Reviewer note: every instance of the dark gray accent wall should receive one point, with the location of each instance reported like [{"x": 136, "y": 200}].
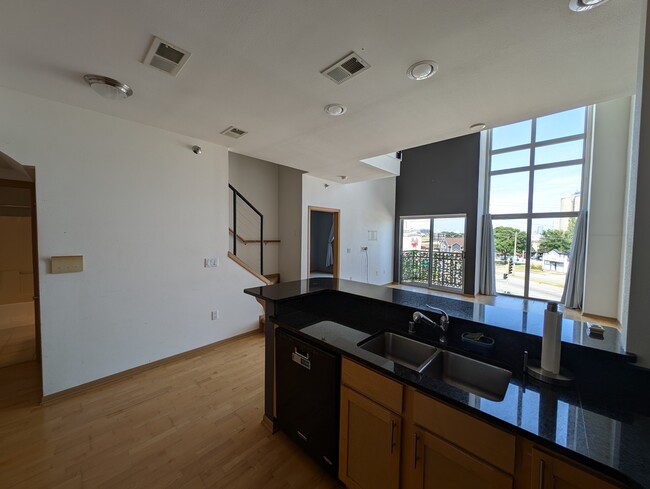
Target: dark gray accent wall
[{"x": 441, "y": 178}]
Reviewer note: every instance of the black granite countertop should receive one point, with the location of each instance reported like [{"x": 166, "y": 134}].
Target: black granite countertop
[
  {"x": 603, "y": 421},
  {"x": 530, "y": 320},
  {"x": 614, "y": 441}
]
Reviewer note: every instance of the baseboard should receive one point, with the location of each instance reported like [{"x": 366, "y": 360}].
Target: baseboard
[
  {"x": 94, "y": 384},
  {"x": 268, "y": 424}
]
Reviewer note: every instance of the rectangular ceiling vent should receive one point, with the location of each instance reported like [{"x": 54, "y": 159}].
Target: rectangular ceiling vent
[
  {"x": 166, "y": 57},
  {"x": 346, "y": 68},
  {"x": 234, "y": 132}
]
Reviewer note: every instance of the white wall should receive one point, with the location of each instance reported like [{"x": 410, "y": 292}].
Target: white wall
[
  {"x": 290, "y": 226},
  {"x": 637, "y": 260},
  {"x": 144, "y": 211},
  {"x": 257, "y": 181},
  {"x": 365, "y": 206},
  {"x": 607, "y": 193}
]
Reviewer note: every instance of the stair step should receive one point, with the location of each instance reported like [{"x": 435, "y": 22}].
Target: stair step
[{"x": 273, "y": 277}]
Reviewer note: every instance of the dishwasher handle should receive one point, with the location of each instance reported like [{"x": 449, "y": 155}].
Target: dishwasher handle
[{"x": 301, "y": 359}]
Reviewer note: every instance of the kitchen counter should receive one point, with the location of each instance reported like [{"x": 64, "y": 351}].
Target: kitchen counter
[
  {"x": 529, "y": 321},
  {"x": 603, "y": 421},
  {"x": 556, "y": 418}
]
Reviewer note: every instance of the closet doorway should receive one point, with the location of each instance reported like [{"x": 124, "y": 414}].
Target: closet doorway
[
  {"x": 323, "y": 242},
  {"x": 19, "y": 302}
]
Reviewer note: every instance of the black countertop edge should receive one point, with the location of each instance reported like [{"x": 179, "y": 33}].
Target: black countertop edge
[
  {"x": 448, "y": 397},
  {"x": 303, "y": 288}
]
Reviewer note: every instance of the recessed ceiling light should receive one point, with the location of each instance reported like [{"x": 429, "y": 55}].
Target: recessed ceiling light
[
  {"x": 108, "y": 87},
  {"x": 478, "y": 126},
  {"x": 422, "y": 70},
  {"x": 582, "y": 5},
  {"x": 335, "y": 109}
]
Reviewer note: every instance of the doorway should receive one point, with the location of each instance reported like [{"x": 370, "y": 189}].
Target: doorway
[
  {"x": 19, "y": 298},
  {"x": 323, "y": 243}
]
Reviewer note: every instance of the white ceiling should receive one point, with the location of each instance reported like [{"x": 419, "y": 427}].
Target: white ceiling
[{"x": 256, "y": 65}]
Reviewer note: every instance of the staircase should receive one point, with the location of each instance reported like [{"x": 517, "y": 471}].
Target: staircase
[{"x": 247, "y": 241}]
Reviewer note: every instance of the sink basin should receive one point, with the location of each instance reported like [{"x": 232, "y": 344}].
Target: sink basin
[
  {"x": 465, "y": 373},
  {"x": 400, "y": 349},
  {"x": 470, "y": 375}
]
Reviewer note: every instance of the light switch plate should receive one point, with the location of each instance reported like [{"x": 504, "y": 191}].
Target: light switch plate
[
  {"x": 67, "y": 264},
  {"x": 211, "y": 262}
]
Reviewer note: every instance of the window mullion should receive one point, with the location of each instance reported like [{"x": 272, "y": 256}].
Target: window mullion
[{"x": 531, "y": 186}]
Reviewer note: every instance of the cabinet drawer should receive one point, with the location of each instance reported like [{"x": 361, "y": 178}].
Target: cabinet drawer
[
  {"x": 375, "y": 386},
  {"x": 477, "y": 437}
]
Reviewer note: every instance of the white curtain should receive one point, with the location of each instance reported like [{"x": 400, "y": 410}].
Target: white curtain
[
  {"x": 574, "y": 284},
  {"x": 487, "y": 272},
  {"x": 329, "y": 258}
]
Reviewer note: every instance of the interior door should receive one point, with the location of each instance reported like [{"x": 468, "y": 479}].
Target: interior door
[{"x": 323, "y": 242}]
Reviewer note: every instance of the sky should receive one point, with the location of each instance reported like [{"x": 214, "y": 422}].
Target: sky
[
  {"x": 440, "y": 224},
  {"x": 509, "y": 192}
]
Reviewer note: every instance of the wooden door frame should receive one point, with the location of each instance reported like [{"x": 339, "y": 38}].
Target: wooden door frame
[
  {"x": 336, "y": 215},
  {"x": 31, "y": 186}
]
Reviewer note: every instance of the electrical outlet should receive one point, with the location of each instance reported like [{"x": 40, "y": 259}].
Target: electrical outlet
[
  {"x": 349, "y": 250},
  {"x": 211, "y": 262},
  {"x": 216, "y": 315}
]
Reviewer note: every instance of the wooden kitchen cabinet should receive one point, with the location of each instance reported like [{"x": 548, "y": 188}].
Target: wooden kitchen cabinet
[
  {"x": 369, "y": 449},
  {"x": 370, "y": 428},
  {"x": 441, "y": 447},
  {"x": 552, "y": 472},
  {"x": 447, "y": 449},
  {"x": 437, "y": 464}
]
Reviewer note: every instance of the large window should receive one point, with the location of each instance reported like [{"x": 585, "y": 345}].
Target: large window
[{"x": 535, "y": 191}]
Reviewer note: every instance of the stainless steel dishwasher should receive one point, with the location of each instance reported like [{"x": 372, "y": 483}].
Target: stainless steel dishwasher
[{"x": 307, "y": 397}]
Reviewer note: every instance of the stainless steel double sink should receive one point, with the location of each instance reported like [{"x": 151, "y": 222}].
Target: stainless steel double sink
[{"x": 462, "y": 372}]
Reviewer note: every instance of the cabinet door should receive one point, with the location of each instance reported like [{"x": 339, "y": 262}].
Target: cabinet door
[
  {"x": 550, "y": 472},
  {"x": 369, "y": 443},
  {"x": 440, "y": 465}
]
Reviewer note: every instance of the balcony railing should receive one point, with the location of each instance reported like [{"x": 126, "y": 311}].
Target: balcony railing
[{"x": 446, "y": 268}]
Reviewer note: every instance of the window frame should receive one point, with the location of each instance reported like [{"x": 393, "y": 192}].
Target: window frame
[
  {"x": 531, "y": 168},
  {"x": 429, "y": 285}
]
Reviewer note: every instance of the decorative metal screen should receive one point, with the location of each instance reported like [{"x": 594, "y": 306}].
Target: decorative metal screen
[{"x": 446, "y": 268}]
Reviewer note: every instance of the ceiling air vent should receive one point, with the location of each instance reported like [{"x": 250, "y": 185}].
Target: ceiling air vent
[
  {"x": 234, "y": 132},
  {"x": 166, "y": 57},
  {"x": 346, "y": 68}
]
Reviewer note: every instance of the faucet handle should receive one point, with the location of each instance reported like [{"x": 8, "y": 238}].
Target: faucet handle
[{"x": 444, "y": 317}]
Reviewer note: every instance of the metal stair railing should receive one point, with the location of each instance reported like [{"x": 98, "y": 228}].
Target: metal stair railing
[{"x": 236, "y": 197}]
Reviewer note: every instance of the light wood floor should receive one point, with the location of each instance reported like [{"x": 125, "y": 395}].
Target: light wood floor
[
  {"x": 17, "y": 334},
  {"x": 191, "y": 424}
]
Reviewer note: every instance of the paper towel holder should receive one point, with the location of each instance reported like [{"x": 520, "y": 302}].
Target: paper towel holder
[{"x": 535, "y": 370}]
